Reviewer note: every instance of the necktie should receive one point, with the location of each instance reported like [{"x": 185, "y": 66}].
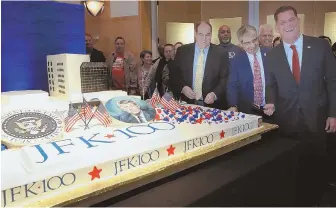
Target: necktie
[
  {"x": 141, "y": 119},
  {"x": 199, "y": 75},
  {"x": 257, "y": 82},
  {"x": 295, "y": 64}
]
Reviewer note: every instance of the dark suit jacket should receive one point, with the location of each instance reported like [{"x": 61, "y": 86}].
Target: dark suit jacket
[
  {"x": 215, "y": 74},
  {"x": 314, "y": 98},
  {"x": 97, "y": 56},
  {"x": 240, "y": 89}
]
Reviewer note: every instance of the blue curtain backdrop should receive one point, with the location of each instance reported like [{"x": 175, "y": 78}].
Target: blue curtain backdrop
[{"x": 32, "y": 30}]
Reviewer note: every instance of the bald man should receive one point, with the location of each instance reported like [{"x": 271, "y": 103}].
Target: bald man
[
  {"x": 201, "y": 70},
  {"x": 266, "y": 35},
  {"x": 224, "y": 37}
]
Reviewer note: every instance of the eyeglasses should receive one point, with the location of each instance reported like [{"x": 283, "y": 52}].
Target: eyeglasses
[{"x": 254, "y": 41}]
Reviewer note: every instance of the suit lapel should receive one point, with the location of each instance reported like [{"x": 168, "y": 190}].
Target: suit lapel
[
  {"x": 263, "y": 56},
  {"x": 307, "y": 54},
  {"x": 247, "y": 68},
  {"x": 190, "y": 63},
  {"x": 209, "y": 61}
]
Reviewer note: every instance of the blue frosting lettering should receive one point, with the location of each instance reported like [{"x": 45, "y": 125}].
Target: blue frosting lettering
[
  {"x": 59, "y": 149},
  {"x": 87, "y": 142}
]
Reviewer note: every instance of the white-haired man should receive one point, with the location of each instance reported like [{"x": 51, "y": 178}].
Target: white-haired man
[{"x": 266, "y": 35}]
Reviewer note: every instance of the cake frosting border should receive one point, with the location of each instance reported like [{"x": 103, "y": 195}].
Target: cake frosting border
[
  {"x": 145, "y": 174},
  {"x": 162, "y": 150}
]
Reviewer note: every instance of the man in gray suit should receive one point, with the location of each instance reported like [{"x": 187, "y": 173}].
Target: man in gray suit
[
  {"x": 132, "y": 113},
  {"x": 301, "y": 91}
]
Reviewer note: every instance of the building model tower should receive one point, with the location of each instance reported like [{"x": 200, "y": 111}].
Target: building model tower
[{"x": 64, "y": 75}]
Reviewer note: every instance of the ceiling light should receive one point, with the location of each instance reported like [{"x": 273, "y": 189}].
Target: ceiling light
[{"x": 94, "y": 8}]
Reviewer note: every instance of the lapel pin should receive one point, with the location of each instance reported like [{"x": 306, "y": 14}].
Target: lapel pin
[{"x": 308, "y": 46}]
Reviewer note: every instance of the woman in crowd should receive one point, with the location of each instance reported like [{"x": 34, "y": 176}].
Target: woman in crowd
[{"x": 146, "y": 58}]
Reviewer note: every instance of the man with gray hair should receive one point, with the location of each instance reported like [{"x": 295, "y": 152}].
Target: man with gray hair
[
  {"x": 266, "y": 35},
  {"x": 246, "y": 84}
]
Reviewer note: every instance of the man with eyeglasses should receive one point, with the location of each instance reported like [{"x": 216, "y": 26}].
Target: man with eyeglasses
[
  {"x": 246, "y": 84},
  {"x": 266, "y": 35},
  {"x": 201, "y": 70}
]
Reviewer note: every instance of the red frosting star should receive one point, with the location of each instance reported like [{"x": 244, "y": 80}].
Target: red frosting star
[
  {"x": 109, "y": 136},
  {"x": 222, "y": 134},
  {"x": 171, "y": 150},
  {"x": 95, "y": 173}
]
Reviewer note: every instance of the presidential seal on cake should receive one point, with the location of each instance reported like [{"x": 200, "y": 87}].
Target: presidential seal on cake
[
  {"x": 130, "y": 110},
  {"x": 29, "y": 127}
]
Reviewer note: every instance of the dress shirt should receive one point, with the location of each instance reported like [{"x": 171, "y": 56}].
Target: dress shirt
[{"x": 289, "y": 52}]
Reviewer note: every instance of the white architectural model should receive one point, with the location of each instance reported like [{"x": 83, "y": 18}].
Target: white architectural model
[{"x": 64, "y": 75}]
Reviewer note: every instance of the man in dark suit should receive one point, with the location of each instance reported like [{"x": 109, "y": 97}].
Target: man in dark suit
[
  {"x": 133, "y": 113},
  {"x": 95, "y": 55},
  {"x": 200, "y": 70},
  {"x": 246, "y": 84},
  {"x": 301, "y": 91}
]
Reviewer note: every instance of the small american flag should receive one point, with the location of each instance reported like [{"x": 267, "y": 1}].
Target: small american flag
[
  {"x": 86, "y": 110},
  {"x": 71, "y": 119},
  {"x": 168, "y": 102},
  {"x": 155, "y": 98},
  {"x": 102, "y": 115}
]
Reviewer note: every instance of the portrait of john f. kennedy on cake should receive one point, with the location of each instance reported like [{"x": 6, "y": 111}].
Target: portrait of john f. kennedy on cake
[{"x": 130, "y": 110}]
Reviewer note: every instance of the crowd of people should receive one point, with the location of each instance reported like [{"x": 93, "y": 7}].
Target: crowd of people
[{"x": 289, "y": 80}]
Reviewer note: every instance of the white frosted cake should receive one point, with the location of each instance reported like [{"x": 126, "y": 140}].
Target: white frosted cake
[{"x": 84, "y": 156}]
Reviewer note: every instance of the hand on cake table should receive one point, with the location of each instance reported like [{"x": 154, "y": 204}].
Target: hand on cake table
[
  {"x": 188, "y": 92},
  {"x": 234, "y": 109},
  {"x": 269, "y": 109},
  {"x": 210, "y": 98},
  {"x": 331, "y": 125}
]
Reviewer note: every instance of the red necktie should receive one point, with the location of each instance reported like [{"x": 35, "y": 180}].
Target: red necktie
[
  {"x": 295, "y": 64},
  {"x": 257, "y": 82}
]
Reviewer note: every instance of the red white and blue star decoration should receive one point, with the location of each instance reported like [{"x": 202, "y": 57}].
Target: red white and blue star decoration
[
  {"x": 109, "y": 136},
  {"x": 222, "y": 134},
  {"x": 171, "y": 150},
  {"x": 197, "y": 115},
  {"x": 95, "y": 173}
]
